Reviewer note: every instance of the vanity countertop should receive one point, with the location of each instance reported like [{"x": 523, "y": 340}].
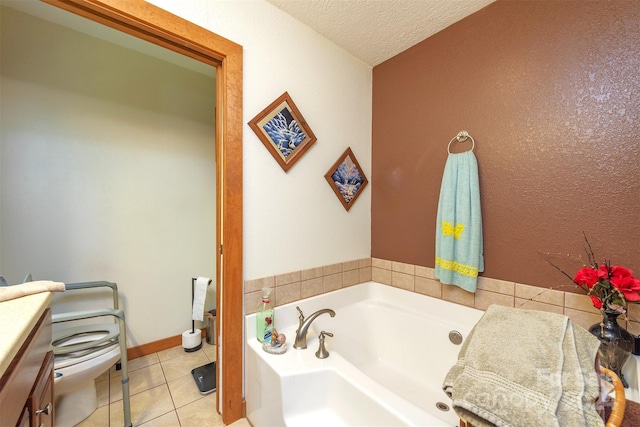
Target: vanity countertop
[{"x": 18, "y": 317}]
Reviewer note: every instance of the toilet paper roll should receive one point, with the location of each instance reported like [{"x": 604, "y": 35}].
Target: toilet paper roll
[
  {"x": 199, "y": 295},
  {"x": 191, "y": 339}
]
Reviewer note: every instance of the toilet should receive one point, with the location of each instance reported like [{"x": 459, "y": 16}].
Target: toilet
[{"x": 81, "y": 354}]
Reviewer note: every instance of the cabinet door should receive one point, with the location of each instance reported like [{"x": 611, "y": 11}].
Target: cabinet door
[
  {"x": 24, "y": 420},
  {"x": 41, "y": 401},
  {"x": 23, "y": 372}
]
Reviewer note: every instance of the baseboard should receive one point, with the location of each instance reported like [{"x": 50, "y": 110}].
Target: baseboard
[{"x": 156, "y": 346}]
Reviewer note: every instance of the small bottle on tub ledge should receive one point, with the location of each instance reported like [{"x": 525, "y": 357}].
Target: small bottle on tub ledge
[{"x": 265, "y": 317}]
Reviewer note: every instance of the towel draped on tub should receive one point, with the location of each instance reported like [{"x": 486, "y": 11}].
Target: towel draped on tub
[
  {"x": 459, "y": 255},
  {"x": 526, "y": 368}
]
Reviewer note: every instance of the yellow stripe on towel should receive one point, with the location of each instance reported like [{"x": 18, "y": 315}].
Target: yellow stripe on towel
[{"x": 466, "y": 270}]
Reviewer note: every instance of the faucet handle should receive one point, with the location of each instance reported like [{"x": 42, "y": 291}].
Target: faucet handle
[
  {"x": 301, "y": 317},
  {"x": 322, "y": 352}
]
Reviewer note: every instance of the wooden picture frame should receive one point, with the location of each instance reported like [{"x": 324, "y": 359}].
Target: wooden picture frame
[
  {"x": 283, "y": 131},
  {"x": 346, "y": 179}
]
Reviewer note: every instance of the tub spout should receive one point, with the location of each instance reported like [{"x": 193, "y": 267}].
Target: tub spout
[{"x": 303, "y": 326}]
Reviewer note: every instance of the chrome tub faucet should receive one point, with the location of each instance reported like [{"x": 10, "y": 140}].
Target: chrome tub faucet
[{"x": 303, "y": 326}]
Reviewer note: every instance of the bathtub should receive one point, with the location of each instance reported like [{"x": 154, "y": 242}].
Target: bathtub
[{"x": 388, "y": 358}]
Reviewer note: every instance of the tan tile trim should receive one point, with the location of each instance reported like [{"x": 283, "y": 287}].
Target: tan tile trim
[
  {"x": 292, "y": 286},
  {"x": 296, "y": 285}
]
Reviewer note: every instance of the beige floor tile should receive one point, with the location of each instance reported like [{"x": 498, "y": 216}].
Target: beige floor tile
[
  {"x": 99, "y": 418},
  {"x": 242, "y": 422},
  {"x": 167, "y": 420},
  {"x": 210, "y": 350},
  {"x": 170, "y": 353},
  {"x": 200, "y": 413},
  {"x": 138, "y": 363},
  {"x": 102, "y": 392},
  {"x": 155, "y": 406},
  {"x": 180, "y": 366},
  {"x": 139, "y": 381},
  {"x": 145, "y": 406},
  {"x": 184, "y": 390}
]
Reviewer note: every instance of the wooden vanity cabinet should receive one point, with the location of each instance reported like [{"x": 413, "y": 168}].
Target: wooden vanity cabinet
[
  {"x": 40, "y": 403},
  {"x": 38, "y": 412},
  {"x": 26, "y": 393}
]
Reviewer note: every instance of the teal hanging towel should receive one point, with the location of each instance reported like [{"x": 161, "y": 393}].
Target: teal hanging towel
[{"x": 459, "y": 256}]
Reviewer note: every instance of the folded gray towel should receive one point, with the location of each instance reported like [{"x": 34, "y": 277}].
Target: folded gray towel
[
  {"x": 525, "y": 368},
  {"x": 29, "y": 288}
]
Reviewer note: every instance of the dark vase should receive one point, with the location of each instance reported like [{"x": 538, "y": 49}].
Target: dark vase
[{"x": 616, "y": 343}]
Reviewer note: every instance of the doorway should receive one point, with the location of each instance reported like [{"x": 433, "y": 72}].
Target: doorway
[{"x": 150, "y": 23}]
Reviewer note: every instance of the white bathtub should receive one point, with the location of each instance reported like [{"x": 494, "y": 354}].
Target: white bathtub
[{"x": 388, "y": 358}]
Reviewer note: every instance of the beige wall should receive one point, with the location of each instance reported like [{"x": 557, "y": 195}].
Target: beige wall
[
  {"x": 549, "y": 91},
  {"x": 293, "y": 220},
  {"x": 108, "y": 172}
]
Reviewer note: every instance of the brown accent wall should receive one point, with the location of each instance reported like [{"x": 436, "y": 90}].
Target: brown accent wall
[{"x": 550, "y": 90}]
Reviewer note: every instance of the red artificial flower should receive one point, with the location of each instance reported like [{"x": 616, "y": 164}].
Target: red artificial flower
[
  {"x": 617, "y": 271},
  {"x": 589, "y": 277},
  {"x": 596, "y": 301},
  {"x": 610, "y": 287},
  {"x": 629, "y": 286}
]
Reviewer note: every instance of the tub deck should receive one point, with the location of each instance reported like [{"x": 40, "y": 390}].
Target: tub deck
[{"x": 388, "y": 357}]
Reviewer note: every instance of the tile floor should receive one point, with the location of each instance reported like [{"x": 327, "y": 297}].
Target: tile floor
[{"x": 162, "y": 392}]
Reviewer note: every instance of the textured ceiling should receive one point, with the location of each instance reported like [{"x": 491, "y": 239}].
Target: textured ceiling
[{"x": 376, "y": 30}]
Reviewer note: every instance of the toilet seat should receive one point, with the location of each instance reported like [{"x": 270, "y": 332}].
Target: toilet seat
[
  {"x": 77, "y": 345},
  {"x": 88, "y": 352},
  {"x": 74, "y": 389}
]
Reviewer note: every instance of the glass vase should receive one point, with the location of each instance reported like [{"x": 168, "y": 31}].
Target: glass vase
[{"x": 616, "y": 343}]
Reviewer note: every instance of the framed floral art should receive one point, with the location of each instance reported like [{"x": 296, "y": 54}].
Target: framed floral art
[
  {"x": 283, "y": 131},
  {"x": 346, "y": 179}
]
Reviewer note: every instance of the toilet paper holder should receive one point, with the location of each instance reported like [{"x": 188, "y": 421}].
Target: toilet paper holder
[
  {"x": 190, "y": 347},
  {"x": 193, "y": 296}
]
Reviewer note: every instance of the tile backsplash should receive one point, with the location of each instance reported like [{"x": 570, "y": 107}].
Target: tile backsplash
[{"x": 297, "y": 285}]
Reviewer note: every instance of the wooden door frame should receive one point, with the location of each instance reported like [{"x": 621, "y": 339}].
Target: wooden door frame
[{"x": 148, "y": 22}]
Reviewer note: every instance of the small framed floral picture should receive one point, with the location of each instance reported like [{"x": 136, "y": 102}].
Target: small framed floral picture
[
  {"x": 283, "y": 131},
  {"x": 346, "y": 179}
]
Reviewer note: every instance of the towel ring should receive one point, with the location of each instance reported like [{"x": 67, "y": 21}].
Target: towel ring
[{"x": 462, "y": 136}]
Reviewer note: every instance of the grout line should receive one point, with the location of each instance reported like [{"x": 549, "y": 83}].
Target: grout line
[{"x": 173, "y": 401}]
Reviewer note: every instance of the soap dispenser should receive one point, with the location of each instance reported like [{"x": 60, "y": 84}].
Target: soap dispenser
[{"x": 265, "y": 317}]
